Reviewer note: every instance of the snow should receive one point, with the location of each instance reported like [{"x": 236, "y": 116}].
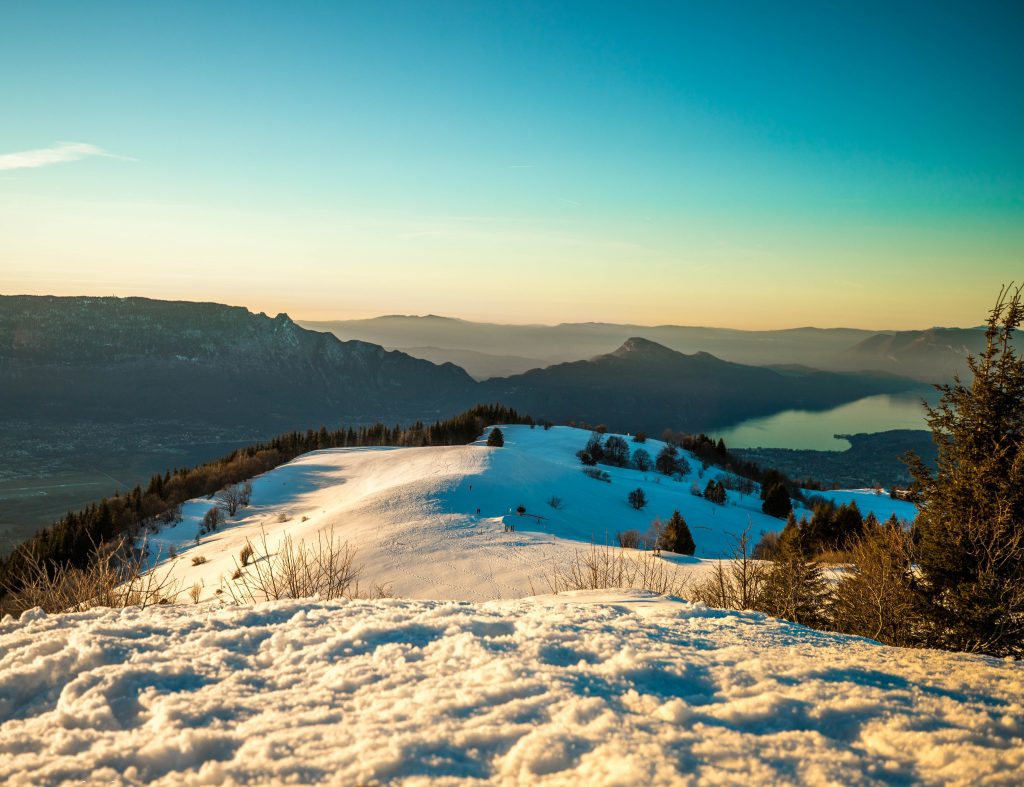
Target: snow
[
  {"x": 466, "y": 675},
  {"x": 868, "y": 501},
  {"x": 603, "y": 688},
  {"x": 412, "y": 514}
]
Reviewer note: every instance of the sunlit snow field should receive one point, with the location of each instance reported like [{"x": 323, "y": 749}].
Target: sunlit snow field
[
  {"x": 412, "y": 513},
  {"x": 472, "y": 672}
]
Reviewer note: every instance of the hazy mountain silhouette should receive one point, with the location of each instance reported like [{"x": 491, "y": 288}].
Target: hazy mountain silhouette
[{"x": 645, "y": 385}]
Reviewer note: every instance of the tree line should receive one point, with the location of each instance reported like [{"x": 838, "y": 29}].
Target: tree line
[{"x": 76, "y": 538}]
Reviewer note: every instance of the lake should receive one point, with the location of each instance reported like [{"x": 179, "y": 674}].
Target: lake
[{"x": 814, "y": 430}]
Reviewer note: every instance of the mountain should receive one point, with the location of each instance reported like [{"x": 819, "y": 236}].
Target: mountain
[
  {"x": 543, "y": 345},
  {"x": 121, "y": 358},
  {"x": 97, "y": 394},
  {"x": 645, "y": 385},
  {"x": 932, "y": 355},
  {"x": 481, "y": 366}
]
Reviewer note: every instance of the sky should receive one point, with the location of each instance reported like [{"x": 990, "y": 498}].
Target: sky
[{"x": 750, "y": 165}]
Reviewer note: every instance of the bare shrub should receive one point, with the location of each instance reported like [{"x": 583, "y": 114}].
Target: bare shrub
[
  {"x": 114, "y": 577},
  {"x": 195, "y": 592},
  {"x": 735, "y": 584},
  {"x": 600, "y": 568},
  {"x": 282, "y": 517},
  {"x": 767, "y": 546},
  {"x": 556, "y": 503},
  {"x": 323, "y": 568},
  {"x": 246, "y": 554},
  {"x": 597, "y": 475},
  {"x": 198, "y": 560},
  {"x": 235, "y": 496},
  {"x": 875, "y": 596},
  {"x": 629, "y": 539},
  {"x": 211, "y": 519}
]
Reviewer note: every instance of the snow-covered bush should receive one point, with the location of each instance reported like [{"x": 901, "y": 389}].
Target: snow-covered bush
[{"x": 597, "y": 475}]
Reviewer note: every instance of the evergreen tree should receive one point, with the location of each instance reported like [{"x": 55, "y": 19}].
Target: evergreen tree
[
  {"x": 848, "y": 525},
  {"x": 794, "y": 588},
  {"x": 770, "y": 478},
  {"x": 715, "y": 492},
  {"x": 496, "y": 439},
  {"x": 820, "y": 533},
  {"x": 777, "y": 502},
  {"x": 676, "y": 536},
  {"x": 970, "y": 529}
]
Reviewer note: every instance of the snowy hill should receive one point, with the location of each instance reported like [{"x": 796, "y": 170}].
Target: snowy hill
[
  {"x": 467, "y": 676},
  {"x": 431, "y": 522},
  {"x": 599, "y": 689}
]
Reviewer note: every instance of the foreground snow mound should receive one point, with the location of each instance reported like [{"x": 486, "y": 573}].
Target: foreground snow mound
[
  {"x": 612, "y": 688},
  {"x": 441, "y": 522}
]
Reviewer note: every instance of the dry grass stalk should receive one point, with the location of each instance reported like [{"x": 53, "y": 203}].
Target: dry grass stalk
[
  {"x": 323, "y": 568},
  {"x": 600, "y": 568},
  {"x": 114, "y": 577}
]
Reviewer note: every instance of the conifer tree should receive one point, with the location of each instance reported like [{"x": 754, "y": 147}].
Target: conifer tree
[
  {"x": 676, "y": 536},
  {"x": 794, "y": 588},
  {"x": 970, "y": 526},
  {"x": 496, "y": 439},
  {"x": 777, "y": 502}
]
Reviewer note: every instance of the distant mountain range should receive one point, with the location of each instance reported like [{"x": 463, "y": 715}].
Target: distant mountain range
[
  {"x": 117, "y": 359},
  {"x": 644, "y": 385},
  {"x": 98, "y": 393},
  {"x": 933, "y": 354},
  {"x": 493, "y": 350}
]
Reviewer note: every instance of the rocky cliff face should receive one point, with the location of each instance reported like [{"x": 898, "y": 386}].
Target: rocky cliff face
[{"x": 120, "y": 358}]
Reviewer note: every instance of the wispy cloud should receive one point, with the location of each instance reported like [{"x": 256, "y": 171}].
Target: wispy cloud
[{"x": 56, "y": 154}]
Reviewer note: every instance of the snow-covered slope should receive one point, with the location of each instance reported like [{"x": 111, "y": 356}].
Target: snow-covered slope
[
  {"x": 612, "y": 688},
  {"x": 431, "y": 521}
]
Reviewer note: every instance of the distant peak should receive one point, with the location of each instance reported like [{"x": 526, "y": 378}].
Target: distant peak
[
  {"x": 431, "y": 317},
  {"x": 640, "y": 346}
]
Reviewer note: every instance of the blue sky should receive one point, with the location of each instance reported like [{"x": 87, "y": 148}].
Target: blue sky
[{"x": 744, "y": 164}]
